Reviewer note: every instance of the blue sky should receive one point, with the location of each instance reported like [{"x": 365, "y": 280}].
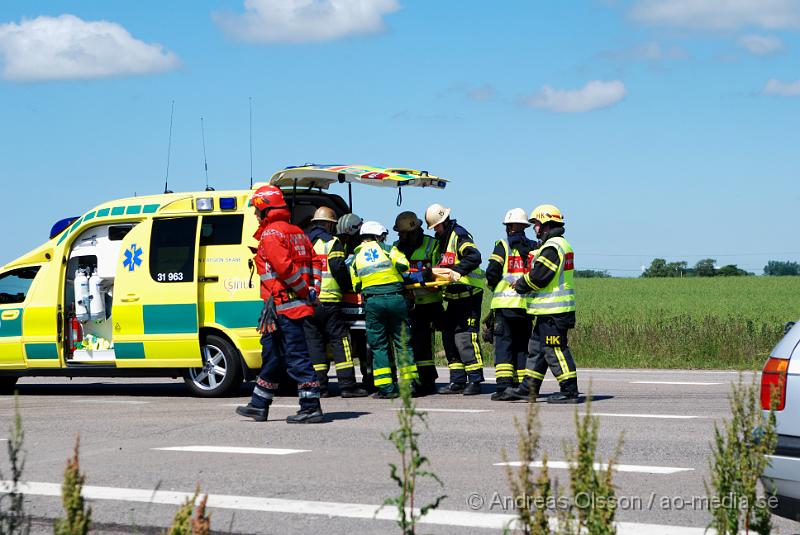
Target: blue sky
[{"x": 660, "y": 127}]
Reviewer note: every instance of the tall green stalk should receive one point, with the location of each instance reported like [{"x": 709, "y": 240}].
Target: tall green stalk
[{"x": 412, "y": 466}]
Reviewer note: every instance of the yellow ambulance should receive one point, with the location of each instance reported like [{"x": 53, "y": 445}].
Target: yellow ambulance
[{"x": 161, "y": 285}]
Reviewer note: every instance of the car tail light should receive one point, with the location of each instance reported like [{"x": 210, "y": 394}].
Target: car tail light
[{"x": 773, "y": 377}]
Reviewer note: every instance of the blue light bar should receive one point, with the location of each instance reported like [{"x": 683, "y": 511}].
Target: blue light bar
[{"x": 227, "y": 203}]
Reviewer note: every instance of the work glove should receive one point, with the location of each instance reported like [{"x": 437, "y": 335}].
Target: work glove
[{"x": 454, "y": 276}]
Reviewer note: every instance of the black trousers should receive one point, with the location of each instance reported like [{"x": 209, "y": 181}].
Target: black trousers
[
  {"x": 423, "y": 319},
  {"x": 512, "y": 333},
  {"x": 461, "y": 324},
  {"x": 327, "y": 326},
  {"x": 549, "y": 347}
]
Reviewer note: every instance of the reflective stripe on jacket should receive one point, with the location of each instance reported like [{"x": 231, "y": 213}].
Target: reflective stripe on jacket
[
  {"x": 559, "y": 295},
  {"x": 287, "y": 265},
  {"x": 330, "y": 291},
  {"x": 375, "y": 263},
  {"x": 450, "y": 258},
  {"x": 514, "y": 268}
]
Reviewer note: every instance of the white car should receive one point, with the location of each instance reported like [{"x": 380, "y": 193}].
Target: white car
[{"x": 782, "y": 370}]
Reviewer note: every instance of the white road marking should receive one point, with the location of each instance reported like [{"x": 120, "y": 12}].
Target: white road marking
[
  {"x": 273, "y": 405},
  {"x": 111, "y": 401},
  {"x": 601, "y": 466},
  {"x": 664, "y": 416},
  {"x": 693, "y": 383},
  {"x": 331, "y": 509},
  {"x": 232, "y": 449},
  {"x": 447, "y": 410}
]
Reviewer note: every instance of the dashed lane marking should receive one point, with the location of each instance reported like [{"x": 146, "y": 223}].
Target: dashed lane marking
[
  {"x": 110, "y": 401},
  {"x": 232, "y": 449},
  {"x": 662, "y": 416},
  {"x": 494, "y": 521},
  {"x": 421, "y": 409},
  {"x": 600, "y": 466},
  {"x": 692, "y": 383}
]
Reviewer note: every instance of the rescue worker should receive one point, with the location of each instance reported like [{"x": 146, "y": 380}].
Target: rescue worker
[
  {"x": 512, "y": 324},
  {"x": 290, "y": 280},
  {"x": 552, "y": 304},
  {"x": 347, "y": 230},
  {"x": 327, "y": 325},
  {"x": 464, "y": 296},
  {"x": 377, "y": 273},
  {"x": 422, "y": 251}
]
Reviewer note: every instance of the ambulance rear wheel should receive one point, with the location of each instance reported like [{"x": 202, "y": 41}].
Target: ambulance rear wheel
[
  {"x": 7, "y": 385},
  {"x": 221, "y": 373}
]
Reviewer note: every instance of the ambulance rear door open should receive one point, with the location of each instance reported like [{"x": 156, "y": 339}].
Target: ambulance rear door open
[{"x": 155, "y": 312}]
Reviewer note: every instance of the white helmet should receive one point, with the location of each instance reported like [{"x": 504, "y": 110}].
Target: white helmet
[
  {"x": 516, "y": 215},
  {"x": 435, "y": 214},
  {"x": 373, "y": 228}
]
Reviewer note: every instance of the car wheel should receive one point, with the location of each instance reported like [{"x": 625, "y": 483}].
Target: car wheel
[{"x": 221, "y": 373}]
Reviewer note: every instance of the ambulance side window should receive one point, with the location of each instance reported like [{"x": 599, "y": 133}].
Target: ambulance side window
[
  {"x": 221, "y": 230},
  {"x": 172, "y": 249},
  {"x": 15, "y": 284}
]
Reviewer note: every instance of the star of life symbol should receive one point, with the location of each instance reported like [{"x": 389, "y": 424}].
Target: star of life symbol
[
  {"x": 372, "y": 255},
  {"x": 133, "y": 257}
]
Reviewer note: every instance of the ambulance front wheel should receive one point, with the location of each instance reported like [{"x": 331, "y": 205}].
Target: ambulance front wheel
[
  {"x": 221, "y": 373},
  {"x": 7, "y": 385}
]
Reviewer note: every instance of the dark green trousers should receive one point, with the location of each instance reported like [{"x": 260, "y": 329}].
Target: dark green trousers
[{"x": 386, "y": 318}]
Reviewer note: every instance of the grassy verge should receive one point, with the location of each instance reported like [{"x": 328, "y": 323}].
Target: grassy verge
[{"x": 710, "y": 323}]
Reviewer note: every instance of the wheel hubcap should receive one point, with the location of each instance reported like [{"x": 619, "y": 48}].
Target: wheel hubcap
[{"x": 214, "y": 370}]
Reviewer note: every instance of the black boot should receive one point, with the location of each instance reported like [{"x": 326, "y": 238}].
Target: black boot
[
  {"x": 563, "y": 397},
  {"x": 380, "y": 394},
  {"x": 568, "y": 394},
  {"x": 354, "y": 392},
  {"x": 452, "y": 388},
  {"x": 522, "y": 392},
  {"x": 257, "y": 414},
  {"x": 306, "y": 416},
  {"x": 500, "y": 394},
  {"x": 472, "y": 389}
]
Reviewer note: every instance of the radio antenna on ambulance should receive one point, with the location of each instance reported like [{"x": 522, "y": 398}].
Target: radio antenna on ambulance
[
  {"x": 205, "y": 160},
  {"x": 169, "y": 147}
]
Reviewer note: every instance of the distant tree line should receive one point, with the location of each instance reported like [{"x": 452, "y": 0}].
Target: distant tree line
[
  {"x": 592, "y": 274},
  {"x": 659, "y": 267}
]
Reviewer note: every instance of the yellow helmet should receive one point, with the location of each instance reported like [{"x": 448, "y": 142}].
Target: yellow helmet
[
  {"x": 435, "y": 214},
  {"x": 546, "y": 212},
  {"x": 407, "y": 222}
]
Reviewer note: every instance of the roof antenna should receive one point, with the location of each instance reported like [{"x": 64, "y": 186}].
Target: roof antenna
[
  {"x": 205, "y": 160},
  {"x": 251, "y": 141},
  {"x": 169, "y": 148}
]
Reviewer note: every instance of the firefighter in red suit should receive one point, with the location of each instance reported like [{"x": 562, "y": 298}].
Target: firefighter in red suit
[{"x": 290, "y": 280}]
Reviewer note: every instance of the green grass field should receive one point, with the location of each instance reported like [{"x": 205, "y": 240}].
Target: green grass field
[{"x": 715, "y": 323}]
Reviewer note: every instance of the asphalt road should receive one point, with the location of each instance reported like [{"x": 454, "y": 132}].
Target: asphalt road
[{"x": 146, "y": 443}]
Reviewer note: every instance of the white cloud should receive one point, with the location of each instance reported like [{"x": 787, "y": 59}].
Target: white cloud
[
  {"x": 651, "y": 51},
  {"x": 777, "y": 88},
  {"x": 594, "y": 95},
  {"x": 718, "y": 14},
  {"x": 296, "y": 21},
  {"x": 484, "y": 92},
  {"x": 760, "y": 45},
  {"x": 66, "y": 47}
]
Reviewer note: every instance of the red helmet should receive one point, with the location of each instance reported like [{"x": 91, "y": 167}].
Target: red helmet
[{"x": 268, "y": 197}]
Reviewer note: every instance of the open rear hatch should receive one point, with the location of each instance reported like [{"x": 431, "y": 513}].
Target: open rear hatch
[{"x": 322, "y": 176}]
